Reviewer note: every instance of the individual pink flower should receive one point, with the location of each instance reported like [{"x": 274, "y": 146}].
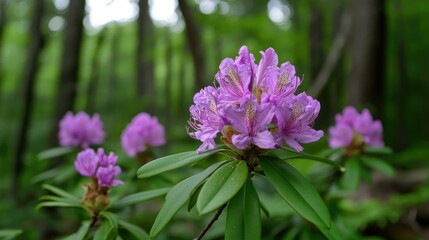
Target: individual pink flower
[
  {"x": 295, "y": 117},
  {"x": 206, "y": 118},
  {"x": 144, "y": 131},
  {"x": 251, "y": 120},
  {"x": 106, "y": 176},
  {"x": 354, "y": 128},
  {"x": 80, "y": 130},
  {"x": 86, "y": 163}
]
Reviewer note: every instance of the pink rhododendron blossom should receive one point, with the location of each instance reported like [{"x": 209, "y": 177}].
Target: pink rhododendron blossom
[
  {"x": 143, "y": 131},
  {"x": 80, "y": 130},
  {"x": 98, "y": 166},
  {"x": 258, "y": 102},
  {"x": 354, "y": 128},
  {"x": 86, "y": 163}
]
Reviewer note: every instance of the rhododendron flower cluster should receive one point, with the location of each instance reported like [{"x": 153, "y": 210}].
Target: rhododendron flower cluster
[
  {"x": 98, "y": 166},
  {"x": 80, "y": 130},
  {"x": 144, "y": 131},
  {"x": 354, "y": 130},
  {"x": 254, "y": 105}
]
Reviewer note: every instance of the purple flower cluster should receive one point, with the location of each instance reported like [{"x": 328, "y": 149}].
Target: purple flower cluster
[
  {"x": 98, "y": 165},
  {"x": 143, "y": 131},
  {"x": 354, "y": 128},
  {"x": 80, "y": 130},
  {"x": 258, "y": 101}
]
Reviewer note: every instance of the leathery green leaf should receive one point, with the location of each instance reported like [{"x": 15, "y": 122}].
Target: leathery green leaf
[
  {"x": 351, "y": 178},
  {"x": 171, "y": 162},
  {"x": 243, "y": 220},
  {"x": 139, "y": 197},
  {"x": 136, "y": 231},
  {"x": 296, "y": 190},
  {"x": 221, "y": 186},
  {"x": 379, "y": 165},
  {"x": 177, "y": 197}
]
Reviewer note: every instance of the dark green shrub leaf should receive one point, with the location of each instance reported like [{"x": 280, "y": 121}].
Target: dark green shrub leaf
[
  {"x": 136, "y": 231},
  {"x": 301, "y": 155},
  {"x": 351, "y": 178},
  {"x": 61, "y": 192},
  {"x": 177, "y": 197},
  {"x": 138, "y": 198},
  {"x": 171, "y": 162},
  {"x": 54, "y": 152},
  {"x": 81, "y": 233},
  {"x": 379, "y": 165},
  {"x": 296, "y": 190},
  {"x": 221, "y": 186},
  {"x": 243, "y": 219}
]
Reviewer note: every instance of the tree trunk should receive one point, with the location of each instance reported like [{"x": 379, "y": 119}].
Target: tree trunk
[
  {"x": 95, "y": 70},
  {"x": 167, "y": 86},
  {"x": 67, "y": 87},
  {"x": 145, "y": 75},
  {"x": 195, "y": 44},
  {"x": 28, "y": 81},
  {"x": 112, "y": 64},
  {"x": 2, "y": 24},
  {"x": 367, "y": 52},
  {"x": 2, "y": 18},
  {"x": 401, "y": 70},
  {"x": 316, "y": 41}
]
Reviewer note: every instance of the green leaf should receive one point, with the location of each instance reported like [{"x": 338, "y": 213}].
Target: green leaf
[
  {"x": 243, "y": 220},
  {"x": 332, "y": 233},
  {"x": 111, "y": 218},
  {"x": 171, "y": 162},
  {"x": 6, "y": 234},
  {"x": 138, "y": 197},
  {"x": 177, "y": 197},
  {"x": 296, "y": 190},
  {"x": 60, "y": 192},
  {"x": 379, "y": 151},
  {"x": 302, "y": 155},
  {"x": 57, "y": 204},
  {"x": 221, "y": 186},
  {"x": 81, "y": 233},
  {"x": 106, "y": 232},
  {"x": 58, "y": 199},
  {"x": 54, "y": 152},
  {"x": 351, "y": 177},
  {"x": 379, "y": 165},
  {"x": 194, "y": 196},
  {"x": 136, "y": 231}
]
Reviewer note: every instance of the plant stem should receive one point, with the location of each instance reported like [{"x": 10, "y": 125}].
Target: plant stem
[{"x": 208, "y": 226}]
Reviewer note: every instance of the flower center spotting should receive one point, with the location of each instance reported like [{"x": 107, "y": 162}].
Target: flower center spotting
[
  {"x": 232, "y": 78},
  {"x": 249, "y": 114},
  {"x": 282, "y": 81},
  {"x": 296, "y": 111},
  {"x": 212, "y": 104}
]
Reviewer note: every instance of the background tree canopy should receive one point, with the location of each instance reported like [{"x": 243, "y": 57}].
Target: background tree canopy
[{"x": 122, "y": 57}]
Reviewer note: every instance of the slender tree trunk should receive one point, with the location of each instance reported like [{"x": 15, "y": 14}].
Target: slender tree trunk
[
  {"x": 145, "y": 75},
  {"x": 67, "y": 86},
  {"x": 195, "y": 44},
  {"x": 29, "y": 78},
  {"x": 2, "y": 18},
  {"x": 2, "y": 24},
  {"x": 167, "y": 86},
  {"x": 113, "y": 62},
  {"x": 367, "y": 52},
  {"x": 401, "y": 68},
  {"x": 95, "y": 70},
  {"x": 316, "y": 40}
]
